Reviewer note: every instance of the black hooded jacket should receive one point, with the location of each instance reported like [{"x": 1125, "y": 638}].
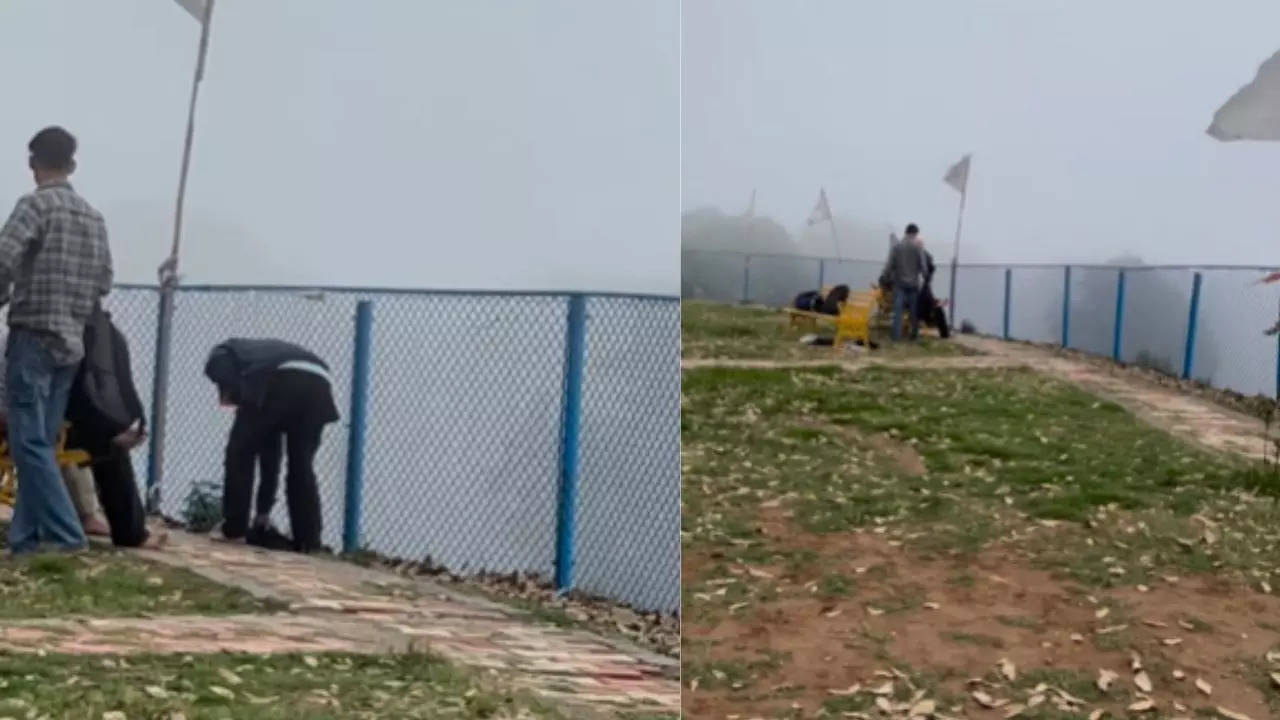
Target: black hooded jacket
[{"x": 242, "y": 367}]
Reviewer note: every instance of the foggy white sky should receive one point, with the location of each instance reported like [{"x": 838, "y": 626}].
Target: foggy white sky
[
  {"x": 1086, "y": 119},
  {"x": 432, "y": 143}
]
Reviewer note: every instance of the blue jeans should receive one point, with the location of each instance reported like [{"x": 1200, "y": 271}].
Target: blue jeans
[
  {"x": 903, "y": 294},
  {"x": 38, "y": 390}
]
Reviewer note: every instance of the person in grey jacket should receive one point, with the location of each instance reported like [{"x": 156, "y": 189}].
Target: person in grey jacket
[{"x": 906, "y": 270}]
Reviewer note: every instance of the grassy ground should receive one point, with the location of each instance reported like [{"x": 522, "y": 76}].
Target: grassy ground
[
  {"x": 248, "y": 687},
  {"x": 712, "y": 330},
  {"x": 971, "y": 456},
  {"x": 873, "y": 540},
  {"x": 110, "y": 584}
]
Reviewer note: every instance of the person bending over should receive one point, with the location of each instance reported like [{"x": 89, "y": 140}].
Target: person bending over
[{"x": 278, "y": 389}]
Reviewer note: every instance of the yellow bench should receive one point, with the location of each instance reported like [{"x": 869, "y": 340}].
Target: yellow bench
[
  {"x": 884, "y": 302},
  {"x": 9, "y": 475},
  {"x": 854, "y": 320}
]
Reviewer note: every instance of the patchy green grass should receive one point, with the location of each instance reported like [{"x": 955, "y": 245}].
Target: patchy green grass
[
  {"x": 1006, "y": 454},
  {"x": 712, "y": 330},
  {"x": 252, "y": 687},
  {"x": 112, "y": 584}
]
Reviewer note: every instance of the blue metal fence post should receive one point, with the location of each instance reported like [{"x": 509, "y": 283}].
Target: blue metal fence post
[
  {"x": 1008, "y": 296},
  {"x": 574, "y": 352},
  {"x": 822, "y": 268},
  {"x": 1189, "y": 354},
  {"x": 746, "y": 279},
  {"x": 355, "y": 438},
  {"x": 1117, "y": 329},
  {"x": 1066, "y": 307}
]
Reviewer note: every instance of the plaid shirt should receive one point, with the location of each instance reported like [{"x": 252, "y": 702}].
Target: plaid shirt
[{"x": 54, "y": 253}]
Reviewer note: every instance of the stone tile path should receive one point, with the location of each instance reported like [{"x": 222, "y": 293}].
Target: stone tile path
[
  {"x": 336, "y": 606},
  {"x": 1194, "y": 419}
]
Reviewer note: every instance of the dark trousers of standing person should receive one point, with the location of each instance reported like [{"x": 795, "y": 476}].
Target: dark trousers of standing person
[
  {"x": 115, "y": 483},
  {"x": 905, "y": 295},
  {"x": 118, "y": 495},
  {"x": 297, "y": 404},
  {"x": 269, "y": 459}
]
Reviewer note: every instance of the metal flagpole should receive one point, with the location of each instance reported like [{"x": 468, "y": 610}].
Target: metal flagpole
[
  {"x": 168, "y": 274},
  {"x": 955, "y": 251},
  {"x": 831, "y": 219}
]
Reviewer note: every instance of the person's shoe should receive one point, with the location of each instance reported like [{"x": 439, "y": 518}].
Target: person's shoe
[
  {"x": 95, "y": 526},
  {"x": 156, "y": 539},
  {"x": 217, "y": 535}
]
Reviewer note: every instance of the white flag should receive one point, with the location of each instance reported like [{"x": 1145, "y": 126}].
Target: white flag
[
  {"x": 197, "y": 8},
  {"x": 751, "y": 206},
  {"x": 1253, "y": 113},
  {"x": 958, "y": 176},
  {"x": 821, "y": 211}
]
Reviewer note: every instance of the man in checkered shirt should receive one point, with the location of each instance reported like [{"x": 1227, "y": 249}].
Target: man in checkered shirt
[{"x": 54, "y": 266}]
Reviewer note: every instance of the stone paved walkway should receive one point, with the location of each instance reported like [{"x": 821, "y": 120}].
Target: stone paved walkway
[
  {"x": 1194, "y": 419},
  {"x": 336, "y": 606}
]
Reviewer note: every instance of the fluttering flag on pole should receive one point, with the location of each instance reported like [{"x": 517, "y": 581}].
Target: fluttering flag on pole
[
  {"x": 1270, "y": 278},
  {"x": 1253, "y": 113},
  {"x": 751, "y": 206},
  {"x": 202, "y": 11},
  {"x": 958, "y": 175},
  {"x": 821, "y": 211},
  {"x": 197, "y": 8}
]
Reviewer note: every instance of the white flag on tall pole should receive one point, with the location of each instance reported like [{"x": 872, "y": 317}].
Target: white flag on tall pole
[
  {"x": 197, "y": 8},
  {"x": 821, "y": 211},
  {"x": 751, "y": 206},
  {"x": 1253, "y": 113},
  {"x": 958, "y": 175}
]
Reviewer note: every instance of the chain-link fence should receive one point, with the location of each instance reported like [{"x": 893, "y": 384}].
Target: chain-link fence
[
  {"x": 467, "y": 460},
  {"x": 1203, "y": 323}
]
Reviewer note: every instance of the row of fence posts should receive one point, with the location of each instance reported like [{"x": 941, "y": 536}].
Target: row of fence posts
[
  {"x": 1117, "y": 335},
  {"x": 1188, "y": 357},
  {"x": 570, "y": 420}
]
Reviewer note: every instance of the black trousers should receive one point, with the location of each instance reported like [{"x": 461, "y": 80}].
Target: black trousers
[
  {"x": 118, "y": 494},
  {"x": 297, "y": 405},
  {"x": 270, "y": 456}
]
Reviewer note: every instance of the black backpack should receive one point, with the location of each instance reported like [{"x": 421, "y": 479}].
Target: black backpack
[{"x": 103, "y": 399}]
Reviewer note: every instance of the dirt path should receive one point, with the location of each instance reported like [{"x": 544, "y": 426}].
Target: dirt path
[
  {"x": 336, "y": 606},
  {"x": 1194, "y": 419}
]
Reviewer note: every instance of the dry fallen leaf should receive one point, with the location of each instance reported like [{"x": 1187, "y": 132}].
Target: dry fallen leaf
[
  {"x": 1172, "y": 641},
  {"x": 1105, "y": 678},
  {"x": 984, "y": 699},
  {"x": 1077, "y": 637},
  {"x": 885, "y": 689},
  {"x": 114, "y": 715},
  {"x": 156, "y": 692},
  {"x": 931, "y": 606},
  {"x": 1143, "y": 681},
  {"x": 1097, "y": 714},
  {"x": 851, "y": 690},
  {"x": 229, "y": 676},
  {"x": 1008, "y": 669},
  {"x": 1204, "y": 686},
  {"x": 1179, "y": 675},
  {"x": 222, "y": 692},
  {"x": 1135, "y": 661},
  {"x": 1014, "y": 710},
  {"x": 885, "y": 706},
  {"x": 1275, "y": 679},
  {"x": 874, "y": 612},
  {"x": 1231, "y": 714},
  {"x": 1143, "y": 705},
  {"x": 1102, "y": 612},
  {"x": 924, "y": 708}
]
